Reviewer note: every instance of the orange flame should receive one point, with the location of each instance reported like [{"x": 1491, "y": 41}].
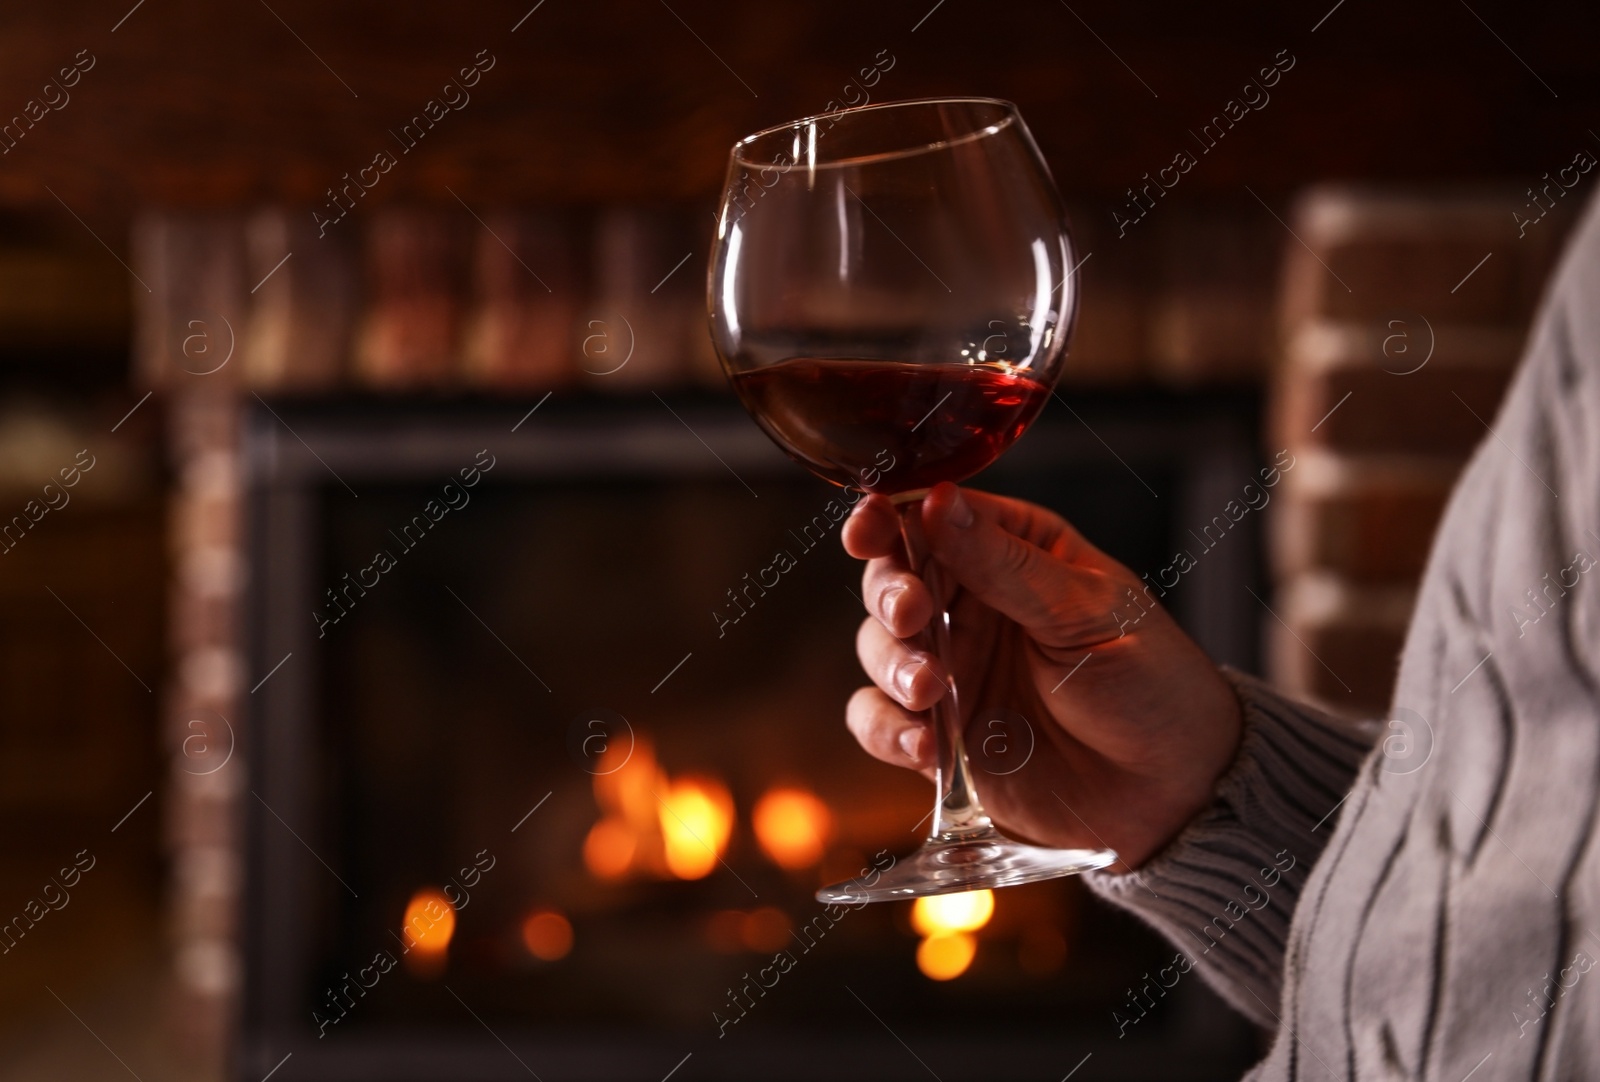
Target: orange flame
[
  {"x": 764, "y": 929},
  {"x": 429, "y": 924},
  {"x": 948, "y": 921},
  {"x": 696, "y": 819},
  {"x": 945, "y": 957},
  {"x": 793, "y": 827},
  {"x": 625, "y": 838},
  {"x": 627, "y": 780},
  {"x": 652, "y": 824},
  {"x": 547, "y": 935},
  {"x": 609, "y": 849},
  {"x": 944, "y": 913}
]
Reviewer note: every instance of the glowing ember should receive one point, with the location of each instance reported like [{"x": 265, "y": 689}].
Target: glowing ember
[
  {"x": 945, "y": 957},
  {"x": 764, "y": 929},
  {"x": 793, "y": 827},
  {"x": 626, "y": 782},
  {"x": 696, "y": 819},
  {"x": 609, "y": 849},
  {"x": 547, "y": 935},
  {"x": 651, "y": 825},
  {"x": 944, "y": 913},
  {"x": 430, "y": 921}
]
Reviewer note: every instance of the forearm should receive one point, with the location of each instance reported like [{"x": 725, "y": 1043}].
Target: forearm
[{"x": 1224, "y": 889}]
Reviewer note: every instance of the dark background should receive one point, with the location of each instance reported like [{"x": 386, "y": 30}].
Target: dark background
[{"x": 203, "y": 104}]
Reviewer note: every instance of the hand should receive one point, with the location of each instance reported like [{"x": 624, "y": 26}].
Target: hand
[{"x": 1126, "y": 750}]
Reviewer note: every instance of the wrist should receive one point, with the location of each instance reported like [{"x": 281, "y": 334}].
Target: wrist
[{"x": 1192, "y": 778}]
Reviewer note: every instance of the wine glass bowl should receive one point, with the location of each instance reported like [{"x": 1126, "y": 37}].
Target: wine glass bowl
[
  {"x": 923, "y": 233},
  {"x": 891, "y": 292}
]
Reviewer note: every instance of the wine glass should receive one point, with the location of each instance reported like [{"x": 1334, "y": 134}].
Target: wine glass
[{"x": 891, "y": 292}]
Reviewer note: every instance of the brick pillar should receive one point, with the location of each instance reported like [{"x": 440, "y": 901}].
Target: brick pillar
[
  {"x": 1402, "y": 319},
  {"x": 204, "y": 719},
  {"x": 191, "y": 346}
]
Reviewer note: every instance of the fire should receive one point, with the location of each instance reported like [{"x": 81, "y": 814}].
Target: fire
[
  {"x": 696, "y": 819},
  {"x": 947, "y": 922},
  {"x": 762, "y": 930},
  {"x": 651, "y": 824},
  {"x": 547, "y": 935},
  {"x": 625, "y": 838},
  {"x": 609, "y": 849},
  {"x": 429, "y": 923},
  {"x": 626, "y": 782},
  {"x": 944, "y": 913},
  {"x": 793, "y": 827},
  {"x": 945, "y": 957},
  {"x": 765, "y": 929}
]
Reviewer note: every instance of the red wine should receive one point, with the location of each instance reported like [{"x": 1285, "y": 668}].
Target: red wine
[{"x": 890, "y": 427}]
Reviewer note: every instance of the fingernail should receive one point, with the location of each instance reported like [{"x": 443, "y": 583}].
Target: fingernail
[
  {"x": 891, "y": 600},
  {"x": 904, "y": 677},
  {"x": 960, "y": 515},
  {"x": 911, "y": 744}
]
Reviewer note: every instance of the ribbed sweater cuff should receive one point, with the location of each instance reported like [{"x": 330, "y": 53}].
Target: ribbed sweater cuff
[{"x": 1223, "y": 891}]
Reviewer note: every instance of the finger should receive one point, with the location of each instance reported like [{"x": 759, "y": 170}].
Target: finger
[
  {"x": 899, "y": 599},
  {"x": 905, "y": 675},
  {"x": 873, "y": 529},
  {"x": 1062, "y": 603},
  {"x": 888, "y": 732},
  {"x": 1038, "y": 526}
]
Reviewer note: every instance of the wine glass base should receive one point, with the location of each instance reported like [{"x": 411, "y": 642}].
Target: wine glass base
[{"x": 973, "y": 861}]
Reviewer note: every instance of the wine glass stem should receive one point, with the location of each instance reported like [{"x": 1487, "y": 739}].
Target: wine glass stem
[{"x": 957, "y": 811}]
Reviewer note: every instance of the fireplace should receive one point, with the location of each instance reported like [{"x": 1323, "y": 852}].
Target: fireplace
[{"x": 525, "y": 796}]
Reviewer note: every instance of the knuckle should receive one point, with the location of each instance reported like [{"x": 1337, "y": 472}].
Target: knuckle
[
  {"x": 890, "y": 592},
  {"x": 1016, "y": 557}
]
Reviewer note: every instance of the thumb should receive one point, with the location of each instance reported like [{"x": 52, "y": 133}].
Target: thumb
[{"x": 1061, "y": 590}]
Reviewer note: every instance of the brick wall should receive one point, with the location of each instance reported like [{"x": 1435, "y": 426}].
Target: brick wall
[{"x": 1402, "y": 319}]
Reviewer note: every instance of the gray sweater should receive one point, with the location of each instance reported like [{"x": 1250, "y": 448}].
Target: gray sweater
[{"x": 1419, "y": 898}]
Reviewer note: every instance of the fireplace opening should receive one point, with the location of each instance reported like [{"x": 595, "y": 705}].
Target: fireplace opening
[{"x": 562, "y": 758}]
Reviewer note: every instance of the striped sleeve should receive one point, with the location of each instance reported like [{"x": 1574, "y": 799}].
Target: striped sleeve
[{"x": 1225, "y": 888}]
